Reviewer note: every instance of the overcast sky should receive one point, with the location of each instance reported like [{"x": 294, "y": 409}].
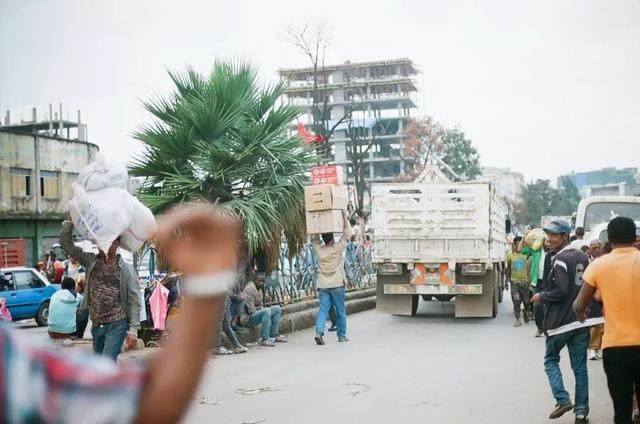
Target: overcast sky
[{"x": 543, "y": 87}]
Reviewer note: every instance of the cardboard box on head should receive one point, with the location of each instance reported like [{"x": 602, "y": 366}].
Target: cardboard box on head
[
  {"x": 329, "y": 221},
  {"x": 325, "y": 197}
]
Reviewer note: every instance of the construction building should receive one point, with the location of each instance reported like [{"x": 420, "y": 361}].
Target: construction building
[
  {"x": 39, "y": 159},
  {"x": 380, "y": 96}
]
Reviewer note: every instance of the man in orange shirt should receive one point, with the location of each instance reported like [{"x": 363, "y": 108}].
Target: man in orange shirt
[{"x": 617, "y": 276}]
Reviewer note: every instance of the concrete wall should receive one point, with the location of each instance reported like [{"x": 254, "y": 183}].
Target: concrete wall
[
  {"x": 38, "y": 235},
  {"x": 34, "y": 218},
  {"x": 59, "y": 155}
]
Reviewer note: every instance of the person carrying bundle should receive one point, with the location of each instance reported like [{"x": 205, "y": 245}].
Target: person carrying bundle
[{"x": 103, "y": 212}]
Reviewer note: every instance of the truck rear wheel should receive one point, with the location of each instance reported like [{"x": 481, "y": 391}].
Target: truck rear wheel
[
  {"x": 415, "y": 300},
  {"x": 501, "y": 286},
  {"x": 497, "y": 290},
  {"x": 427, "y": 297},
  {"x": 494, "y": 312}
]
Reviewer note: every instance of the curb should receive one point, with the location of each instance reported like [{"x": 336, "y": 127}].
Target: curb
[
  {"x": 295, "y": 317},
  {"x": 302, "y": 315},
  {"x": 313, "y": 303}
]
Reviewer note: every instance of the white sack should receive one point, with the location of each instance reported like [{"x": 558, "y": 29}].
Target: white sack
[
  {"x": 100, "y": 174},
  {"x": 142, "y": 226},
  {"x": 102, "y": 215}
]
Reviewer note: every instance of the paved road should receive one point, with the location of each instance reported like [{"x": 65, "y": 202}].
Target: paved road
[{"x": 430, "y": 368}]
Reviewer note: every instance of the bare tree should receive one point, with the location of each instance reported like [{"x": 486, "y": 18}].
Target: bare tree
[
  {"x": 361, "y": 138},
  {"x": 422, "y": 143},
  {"x": 313, "y": 40}
]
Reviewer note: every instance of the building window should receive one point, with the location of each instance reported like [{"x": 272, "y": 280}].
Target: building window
[
  {"x": 50, "y": 184},
  {"x": 20, "y": 182},
  {"x": 72, "y": 176}
]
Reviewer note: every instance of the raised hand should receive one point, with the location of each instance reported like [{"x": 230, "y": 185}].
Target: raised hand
[{"x": 199, "y": 239}]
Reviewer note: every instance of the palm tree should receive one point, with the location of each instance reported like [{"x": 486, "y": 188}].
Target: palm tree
[{"x": 224, "y": 138}]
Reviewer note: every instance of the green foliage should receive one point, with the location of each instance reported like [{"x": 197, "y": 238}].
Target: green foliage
[
  {"x": 223, "y": 138},
  {"x": 539, "y": 198},
  {"x": 460, "y": 155},
  {"x": 566, "y": 198}
]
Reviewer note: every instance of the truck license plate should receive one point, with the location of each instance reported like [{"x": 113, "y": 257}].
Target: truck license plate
[{"x": 432, "y": 277}]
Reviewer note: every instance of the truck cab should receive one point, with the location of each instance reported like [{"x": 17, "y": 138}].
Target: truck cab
[{"x": 601, "y": 209}]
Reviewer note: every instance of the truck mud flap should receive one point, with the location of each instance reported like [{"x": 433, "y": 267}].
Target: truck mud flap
[
  {"x": 405, "y": 305},
  {"x": 477, "y": 306}
]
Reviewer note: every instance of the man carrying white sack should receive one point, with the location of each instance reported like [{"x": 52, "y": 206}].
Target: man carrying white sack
[{"x": 111, "y": 294}]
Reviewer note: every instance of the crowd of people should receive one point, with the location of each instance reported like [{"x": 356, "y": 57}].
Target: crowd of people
[
  {"x": 584, "y": 296},
  {"x": 105, "y": 288},
  {"x": 114, "y": 307}
]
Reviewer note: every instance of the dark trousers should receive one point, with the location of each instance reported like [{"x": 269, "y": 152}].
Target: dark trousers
[
  {"x": 520, "y": 295},
  {"x": 539, "y": 310},
  {"x": 82, "y": 319},
  {"x": 622, "y": 367}
]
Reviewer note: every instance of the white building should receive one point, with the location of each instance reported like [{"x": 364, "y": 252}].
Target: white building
[{"x": 508, "y": 184}]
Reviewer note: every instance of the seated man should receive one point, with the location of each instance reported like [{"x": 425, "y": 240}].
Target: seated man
[
  {"x": 255, "y": 314},
  {"x": 235, "y": 303},
  {"x": 62, "y": 313}
]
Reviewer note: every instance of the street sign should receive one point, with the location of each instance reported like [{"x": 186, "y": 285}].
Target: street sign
[{"x": 326, "y": 174}]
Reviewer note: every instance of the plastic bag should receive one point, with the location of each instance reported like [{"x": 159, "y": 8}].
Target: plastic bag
[
  {"x": 535, "y": 239},
  {"x": 100, "y": 216},
  {"x": 100, "y": 174}
]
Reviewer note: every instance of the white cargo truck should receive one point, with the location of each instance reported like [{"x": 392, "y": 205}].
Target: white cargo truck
[{"x": 439, "y": 240}]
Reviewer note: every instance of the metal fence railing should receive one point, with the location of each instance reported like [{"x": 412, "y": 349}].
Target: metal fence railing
[{"x": 296, "y": 277}]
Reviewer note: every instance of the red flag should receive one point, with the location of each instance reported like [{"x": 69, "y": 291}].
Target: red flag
[{"x": 306, "y": 136}]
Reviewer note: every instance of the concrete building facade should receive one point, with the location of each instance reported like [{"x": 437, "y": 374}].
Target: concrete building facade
[
  {"x": 606, "y": 181},
  {"x": 38, "y": 162},
  {"x": 381, "y": 96}
]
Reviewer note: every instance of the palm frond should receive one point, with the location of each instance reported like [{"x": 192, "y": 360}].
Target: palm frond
[{"x": 224, "y": 138}]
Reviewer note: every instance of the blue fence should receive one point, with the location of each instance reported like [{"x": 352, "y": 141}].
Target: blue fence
[{"x": 296, "y": 277}]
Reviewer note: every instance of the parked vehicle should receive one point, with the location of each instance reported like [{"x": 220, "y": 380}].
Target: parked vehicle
[
  {"x": 27, "y": 294},
  {"x": 596, "y": 210},
  {"x": 600, "y": 232},
  {"x": 439, "y": 240}
]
